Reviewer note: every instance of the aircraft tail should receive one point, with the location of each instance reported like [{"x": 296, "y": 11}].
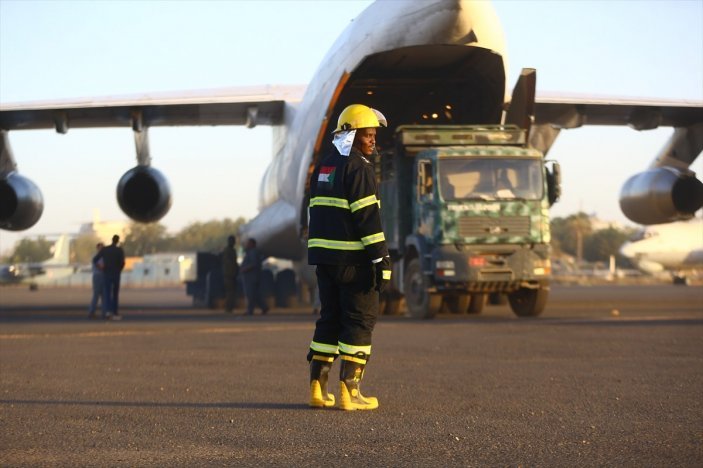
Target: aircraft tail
[{"x": 61, "y": 251}]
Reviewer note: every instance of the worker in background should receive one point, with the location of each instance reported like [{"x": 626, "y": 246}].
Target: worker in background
[
  {"x": 230, "y": 268},
  {"x": 251, "y": 277},
  {"x": 98, "y": 280},
  {"x": 347, "y": 244},
  {"x": 112, "y": 257}
]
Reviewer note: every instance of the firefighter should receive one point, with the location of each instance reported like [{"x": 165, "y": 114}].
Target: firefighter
[{"x": 347, "y": 245}]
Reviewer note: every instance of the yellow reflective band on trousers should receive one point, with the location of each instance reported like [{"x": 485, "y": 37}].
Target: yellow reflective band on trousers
[
  {"x": 353, "y": 359},
  {"x": 324, "y": 348},
  {"x": 386, "y": 275},
  {"x": 336, "y": 245},
  {"x": 373, "y": 238},
  {"x": 317, "y": 357},
  {"x": 364, "y": 202},
  {"x": 329, "y": 201},
  {"x": 352, "y": 349}
]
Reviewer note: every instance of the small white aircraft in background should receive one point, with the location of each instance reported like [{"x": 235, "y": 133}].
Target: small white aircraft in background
[
  {"x": 675, "y": 247},
  {"x": 36, "y": 273}
]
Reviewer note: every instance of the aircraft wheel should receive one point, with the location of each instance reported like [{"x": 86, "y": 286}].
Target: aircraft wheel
[
  {"x": 497, "y": 298},
  {"x": 476, "y": 304},
  {"x": 680, "y": 280},
  {"x": 456, "y": 303},
  {"x": 390, "y": 302},
  {"x": 421, "y": 304}
]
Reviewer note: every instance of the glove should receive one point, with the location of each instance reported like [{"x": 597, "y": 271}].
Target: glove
[{"x": 383, "y": 274}]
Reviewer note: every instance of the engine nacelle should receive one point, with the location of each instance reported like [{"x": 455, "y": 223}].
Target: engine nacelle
[
  {"x": 144, "y": 194},
  {"x": 661, "y": 195},
  {"x": 21, "y": 202}
]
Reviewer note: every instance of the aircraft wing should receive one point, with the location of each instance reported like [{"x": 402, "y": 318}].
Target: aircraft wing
[
  {"x": 256, "y": 105},
  {"x": 640, "y": 114},
  {"x": 554, "y": 113},
  {"x": 668, "y": 190}
]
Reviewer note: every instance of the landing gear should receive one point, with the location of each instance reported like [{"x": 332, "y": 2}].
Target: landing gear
[
  {"x": 421, "y": 303},
  {"x": 476, "y": 304},
  {"x": 456, "y": 303}
]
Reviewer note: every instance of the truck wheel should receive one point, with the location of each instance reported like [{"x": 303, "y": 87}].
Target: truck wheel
[
  {"x": 456, "y": 303},
  {"x": 476, "y": 304},
  {"x": 527, "y": 302},
  {"x": 421, "y": 304}
]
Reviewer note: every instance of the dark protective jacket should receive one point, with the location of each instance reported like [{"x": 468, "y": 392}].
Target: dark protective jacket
[
  {"x": 345, "y": 218},
  {"x": 113, "y": 259}
]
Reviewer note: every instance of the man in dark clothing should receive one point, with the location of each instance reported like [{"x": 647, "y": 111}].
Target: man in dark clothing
[
  {"x": 347, "y": 244},
  {"x": 251, "y": 277},
  {"x": 112, "y": 258},
  {"x": 98, "y": 283},
  {"x": 230, "y": 268}
]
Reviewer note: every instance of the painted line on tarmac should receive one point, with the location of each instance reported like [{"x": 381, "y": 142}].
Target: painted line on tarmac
[{"x": 121, "y": 333}]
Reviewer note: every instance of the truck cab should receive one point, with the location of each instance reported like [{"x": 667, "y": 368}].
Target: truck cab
[{"x": 466, "y": 213}]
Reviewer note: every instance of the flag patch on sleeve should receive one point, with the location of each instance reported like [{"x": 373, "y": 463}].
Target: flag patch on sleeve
[{"x": 326, "y": 175}]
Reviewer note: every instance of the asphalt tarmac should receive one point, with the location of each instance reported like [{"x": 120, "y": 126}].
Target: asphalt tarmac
[{"x": 607, "y": 376}]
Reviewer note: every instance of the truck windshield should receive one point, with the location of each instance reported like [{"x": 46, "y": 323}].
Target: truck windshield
[{"x": 490, "y": 179}]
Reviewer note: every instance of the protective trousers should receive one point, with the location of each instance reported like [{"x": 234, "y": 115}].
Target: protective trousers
[{"x": 349, "y": 310}]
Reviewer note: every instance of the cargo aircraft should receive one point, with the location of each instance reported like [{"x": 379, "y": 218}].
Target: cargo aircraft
[
  {"x": 420, "y": 61},
  {"x": 676, "y": 248}
]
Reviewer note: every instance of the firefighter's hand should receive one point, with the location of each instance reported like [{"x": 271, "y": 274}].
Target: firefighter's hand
[{"x": 383, "y": 274}]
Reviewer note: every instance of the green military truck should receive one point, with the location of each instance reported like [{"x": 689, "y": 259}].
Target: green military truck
[{"x": 466, "y": 215}]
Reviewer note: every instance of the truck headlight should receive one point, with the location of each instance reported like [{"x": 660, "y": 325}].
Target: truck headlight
[{"x": 542, "y": 267}]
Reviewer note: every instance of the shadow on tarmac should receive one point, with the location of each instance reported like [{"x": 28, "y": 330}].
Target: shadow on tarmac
[{"x": 145, "y": 404}]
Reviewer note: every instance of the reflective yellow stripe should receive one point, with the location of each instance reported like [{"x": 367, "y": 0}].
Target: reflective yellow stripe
[
  {"x": 386, "y": 274},
  {"x": 352, "y": 349},
  {"x": 329, "y": 201},
  {"x": 353, "y": 359},
  {"x": 324, "y": 348},
  {"x": 335, "y": 245},
  {"x": 364, "y": 202},
  {"x": 317, "y": 357},
  {"x": 373, "y": 238}
]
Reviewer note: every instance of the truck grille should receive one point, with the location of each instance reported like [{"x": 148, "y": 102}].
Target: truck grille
[{"x": 482, "y": 226}]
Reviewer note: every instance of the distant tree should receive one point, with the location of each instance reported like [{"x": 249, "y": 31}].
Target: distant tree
[
  {"x": 210, "y": 236},
  {"x": 146, "y": 239},
  {"x": 83, "y": 248},
  {"x": 569, "y": 233},
  {"x": 600, "y": 245},
  {"x": 32, "y": 250}
]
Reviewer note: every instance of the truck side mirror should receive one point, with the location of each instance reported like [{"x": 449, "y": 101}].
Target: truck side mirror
[{"x": 553, "y": 183}]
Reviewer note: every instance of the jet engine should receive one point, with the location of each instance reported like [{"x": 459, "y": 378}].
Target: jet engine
[
  {"x": 21, "y": 202},
  {"x": 661, "y": 195},
  {"x": 144, "y": 194}
]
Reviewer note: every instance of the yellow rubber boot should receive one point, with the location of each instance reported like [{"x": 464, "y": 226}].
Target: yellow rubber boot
[
  {"x": 350, "y": 376},
  {"x": 319, "y": 370}
]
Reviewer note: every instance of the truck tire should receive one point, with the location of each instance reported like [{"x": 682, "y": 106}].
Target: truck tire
[
  {"x": 421, "y": 304},
  {"x": 476, "y": 304},
  {"x": 456, "y": 303},
  {"x": 526, "y": 302}
]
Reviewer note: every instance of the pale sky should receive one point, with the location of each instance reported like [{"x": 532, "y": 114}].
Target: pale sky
[{"x": 67, "y": 49}]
